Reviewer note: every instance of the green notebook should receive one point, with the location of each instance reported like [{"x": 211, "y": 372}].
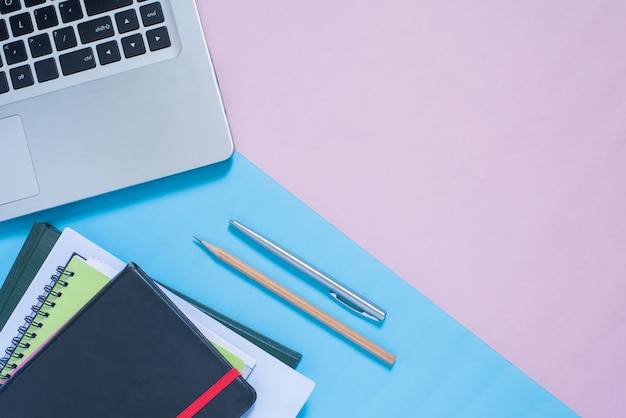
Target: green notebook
[{"x": 38, "y": 244}]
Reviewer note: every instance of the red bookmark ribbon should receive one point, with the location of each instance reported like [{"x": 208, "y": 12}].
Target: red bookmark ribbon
[{"x": 210, "y": 393}]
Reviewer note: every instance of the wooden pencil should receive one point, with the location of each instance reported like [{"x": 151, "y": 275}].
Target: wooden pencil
[{"x": 300, "y": 303}]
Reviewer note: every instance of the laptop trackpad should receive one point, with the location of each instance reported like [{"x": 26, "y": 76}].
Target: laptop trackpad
[{"x": 17, "y": 176}]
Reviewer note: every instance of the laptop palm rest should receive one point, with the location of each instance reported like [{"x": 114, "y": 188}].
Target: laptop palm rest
[{"x": 17, "y": 176}]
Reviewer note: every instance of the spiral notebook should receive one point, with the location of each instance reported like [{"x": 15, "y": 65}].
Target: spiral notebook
[
  {"x": 69, "y": 289},
  {"x": 129, "y": 352}
]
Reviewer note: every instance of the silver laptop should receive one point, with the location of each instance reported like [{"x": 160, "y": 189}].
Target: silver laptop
[{"x": 97, "y": 95}]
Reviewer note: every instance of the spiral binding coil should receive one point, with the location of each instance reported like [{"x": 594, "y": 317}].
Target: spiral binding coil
[{"x": 27, "y": 331}]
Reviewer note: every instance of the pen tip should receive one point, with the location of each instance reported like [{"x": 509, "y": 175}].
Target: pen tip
[{"x": 197, "y": 239}]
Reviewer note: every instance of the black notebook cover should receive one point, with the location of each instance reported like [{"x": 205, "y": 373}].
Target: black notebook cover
[{"x": 129, "y": 353}]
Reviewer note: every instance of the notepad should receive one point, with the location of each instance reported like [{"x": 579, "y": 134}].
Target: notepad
[
  {"x": 70, "y": 288},
  {"x": 68, "y": 244},
  {"x": 129, "y": 352}
]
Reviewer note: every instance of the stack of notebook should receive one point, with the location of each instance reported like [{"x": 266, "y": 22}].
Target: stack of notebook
[{"x": 115, "y": 343}]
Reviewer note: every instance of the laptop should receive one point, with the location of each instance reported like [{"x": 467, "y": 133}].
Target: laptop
[{"x": 98, "y": 95}]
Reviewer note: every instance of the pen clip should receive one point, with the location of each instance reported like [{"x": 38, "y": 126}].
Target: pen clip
[{"x": 350, "y": 306}]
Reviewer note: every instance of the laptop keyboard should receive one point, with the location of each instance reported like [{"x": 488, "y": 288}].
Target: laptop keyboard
[{"x": 52, "y": 44}]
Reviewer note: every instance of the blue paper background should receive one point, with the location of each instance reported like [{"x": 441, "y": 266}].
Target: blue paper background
[{"x": 442, "y": 369}]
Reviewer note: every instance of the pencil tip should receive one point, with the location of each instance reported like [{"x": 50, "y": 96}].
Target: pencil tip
[{"x": 206, "y": 245}]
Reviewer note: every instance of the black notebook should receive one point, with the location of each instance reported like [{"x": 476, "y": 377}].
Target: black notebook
[{"x": 129, "y": 353}]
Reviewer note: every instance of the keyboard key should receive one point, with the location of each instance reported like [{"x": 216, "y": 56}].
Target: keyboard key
[
  {"x": 4, "y": 31},
  {"x": 46, "y": 70},
  {"x": 31, "y": 3},
  {"x": 40, "y": 45},
  {"x": 108, "y": 52},
  {"x": 4, "y": 83},
  {"x": 77, "y": 61},
  {"x": 95, "y": 30},
  {"x": 21, "y": 24},
  {"x": 158, "y": 38},
  {"x": 21, "y": 77},
  {"x": 70, "y": 11},
  {"x": 127, "y": 21},
  {"x": 133, "y": 45},
  {"x": 46, "y": 17},
  {"x": 151, "y": 14},
  {"x": 64, "y": 38},
  {"x": 8, "y": 6},
  {"x": 15, "y": 52},
  {"x": 94, "y": 7}
]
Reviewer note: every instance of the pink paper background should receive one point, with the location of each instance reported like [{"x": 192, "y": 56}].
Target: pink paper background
[{"x": 477, "y": 148}]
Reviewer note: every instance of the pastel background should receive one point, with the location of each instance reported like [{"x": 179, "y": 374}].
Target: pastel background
[{"x": 477, "y": 148}]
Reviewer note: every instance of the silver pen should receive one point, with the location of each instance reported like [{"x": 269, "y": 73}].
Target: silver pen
[{"x": 342, "y": 294}]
